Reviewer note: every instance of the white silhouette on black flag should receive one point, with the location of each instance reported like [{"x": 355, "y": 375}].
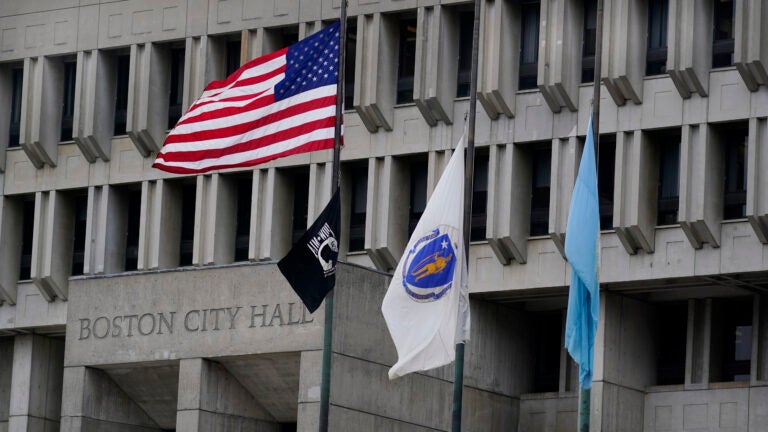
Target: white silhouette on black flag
[{"x": 310, "y": 265}]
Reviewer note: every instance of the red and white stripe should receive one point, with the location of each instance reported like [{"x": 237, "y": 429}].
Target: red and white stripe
[{"x": 237, "y": 122}]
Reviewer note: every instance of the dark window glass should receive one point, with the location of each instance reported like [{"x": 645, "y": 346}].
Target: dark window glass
[
  {"x": 121, "y": 92},
  {"x": 68, "y": 108},
  {"x": 732, "y": 339},
  {"x": 669, "y": 182},
  {"x": 188, "y": 192},
  {"x": 357, "y": 208},
  {"x": 589, "y": 34},
  {"x": 466, "y": 23},
  {"x": 656, "y": 55},
  {"x": 133, "y": 215},
  {"x": 233, "y": 57},
  {"x": 17, "y": 78},
  {"x": 479, "y": 198},
  {"x": 671, "y": 333},
  {"x": 27, "y": 229},
  {"x": 243, "y": 229},
  {"x": 734, "y": 142},
  {"x": 418, "y": 194},
  {"x": 349, "y": 66},
  {"x": 287, "y": 427},
  {"x": 541, "y": 162},
  {"x": 406, "y": 60},
  {"x": 78, "y": 248},
  {"x": 176, "y": 87},
  {"x": 290, "y": 37},
  {"x": 605, "y": 180},
  {"x": 722, "y": 39},
  {"x": 529, "y": 45},
  {"x": 300, "y": 204},
  {"x": 547, "y": 330}
]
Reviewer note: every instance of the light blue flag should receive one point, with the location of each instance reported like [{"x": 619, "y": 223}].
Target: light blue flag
[{"x": 582, "y": 244}]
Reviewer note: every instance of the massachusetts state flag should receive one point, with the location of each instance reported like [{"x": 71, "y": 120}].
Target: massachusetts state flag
[
  {"x": 427, "y": 305},
  {"x": 277, "y": 105}
]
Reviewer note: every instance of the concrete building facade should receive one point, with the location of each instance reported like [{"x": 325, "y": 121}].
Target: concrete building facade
[{"x": 135, "y": 300}]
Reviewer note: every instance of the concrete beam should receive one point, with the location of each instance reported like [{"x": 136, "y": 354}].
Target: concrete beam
[
  {"x": 757, "y": 177},
  {"x": 498, "y": 64},
  {"x": 147, "y": 117},
  {"x": 689, "y": 46},
  {"x": 635, "y": 190},
  {"x": 52, "y": 244},
  {"x": 701, "y": 190},
  {"x": 387, "y": 218},
  {"x": 95, "y": 90},
  {"x": 375, "y": 70},
  {"x": 560, "y": 37},
  {"x": 41, "y": 103},
  {"x": 624, "y": 45},
  {"x": 751, "y": 42},
  {"x": 36, "y": 384},
  {"x": 509, "y": 202}
]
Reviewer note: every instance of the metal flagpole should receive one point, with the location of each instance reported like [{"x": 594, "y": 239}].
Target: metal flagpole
[
  {"x": 458, "y": 375},
  {"x": 325, "y": 385},
  {"x": 585, "y": 395}
]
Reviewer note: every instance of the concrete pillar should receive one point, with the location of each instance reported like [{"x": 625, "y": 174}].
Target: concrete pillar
[
  {"x": 560, "y": 37},
  {"x": 499, "y": 57},
  {"x": 751, "y": 42},
  {"x": 689, "y": 46},
  {"x": 760, "y": 340},
  {"x": 197, "y": 70},
  {"x": 699, "y": 339},
  {"x": 94, "y": 402},
  {"x": 105, "y": 230},
  {"x": 437, "y": 55},
  {"x": 701, "y": 186},
  {"x": 41, "y": 104},
  {"x": 147, "y": 118},
  {"x": 375, "y": 71},
  {"x": 437, "y": 161},
  {"x": 320, "y": 189},
  {"x": 212, "y": 400},
  {"x": 159, "y": 227},
  {"x": 309, "y": 391},
  {"x": 6, "y": 372},
  {"x": 566, "y": 156},
  {"x": 36, "y": 384},
  {"x": 95, "y": 90},
  {"x": 509, "y": 201},
  {"x": 270, "y": 209},
  {"x": 386, "y": 224},
  {"x": 624, "y": 46},
  {"x": 757, "y": 177},
  {"x": 52, "y": 244},
  {"x": 215, "y": 220},
  {"x": 10, "y": 247}
]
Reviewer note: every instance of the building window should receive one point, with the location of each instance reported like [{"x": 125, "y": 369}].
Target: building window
[
  {"x": 671, "y": 321},
  {"x": 479, "y": 198},
  {"x": 68, "y": 107},
  {"x": 349, "y": 64},
  {"x": 418, "y": 194},
  {"x": 722, "y": 39},
  {"x": 300, "y": 203},
  {"x": 27, "y": 230},
  {"x": 188, "y": 192},
  {"x": 244, "y": 186},
  {"x": 176, "y": 87},
  {"x": 668, "y": 195},
  {"x": 233, "y": 56},
  {"x": 357, "y": 208},
  {"x": 588, "y": 44},
  {"x": 289, "y": 35},
  {"x": 80, "y": 202},
  {"x": 732, "y": 339},
  {"x": 121, "y": 92},
  {"x": 406, "y": 59},
  {"x": 541, "y": 163},
  {"x": 17, "y": 78},
  {"x": 547, "y": 332},
  {"x": 656, "y": 55},
  {"x": 466, "y": 28},
  {"x": 734, "y": 142},
  {"x": 133, "y": 221},
  {"x": 605, "y": 180},
  {"x": 529, "y": 44}
]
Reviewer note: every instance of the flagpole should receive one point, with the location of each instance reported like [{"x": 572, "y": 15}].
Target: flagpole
[
  {"x": 458, "y": 375},
  {"x": 585, "y": 394},
  {"x": 325, "y": 385}
]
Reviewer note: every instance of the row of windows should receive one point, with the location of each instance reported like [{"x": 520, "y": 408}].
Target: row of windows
[{"x": 656, "y": 59}]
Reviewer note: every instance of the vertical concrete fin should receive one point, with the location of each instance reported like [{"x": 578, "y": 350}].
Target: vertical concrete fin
[
  {"x": 701, "y": 194},
  {"x": 52, "y": 244},
  {"x": 10, "y": 247},
  {"x": 437, "y": 54},
  {"x": 320, "y": 177},
  {"x": 36, "y": 384},
  {"x": 566, "y": 155},
  {"x": 375, "y": 72},
  {"x": 388, "y": 187},
  {"x": 698, "y": 345},
  {"x": 147, "y": 118},
  {"x": 560, "y": 33},
  {"x": 689, "y": 40},
  {"x": 509, "y": 187},
  {"x": 624, "y": 46},
  {"x": 498, "y": 66},
  {"x": 41, "y": 105},
  {"x": 95, "y": 87},
  {"x": 757, "y": 178},
  {"x": 751, "y": 42},
  {"x": 635, "y": 192}
]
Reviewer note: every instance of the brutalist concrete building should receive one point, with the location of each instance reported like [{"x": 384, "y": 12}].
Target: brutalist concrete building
[{"x": 134, "y": 300}]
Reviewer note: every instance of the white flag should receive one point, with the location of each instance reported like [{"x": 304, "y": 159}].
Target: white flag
[{"x": 427, "y": 305}]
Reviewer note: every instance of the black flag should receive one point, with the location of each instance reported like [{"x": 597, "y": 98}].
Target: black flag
[{"x": 310, "y": 266}]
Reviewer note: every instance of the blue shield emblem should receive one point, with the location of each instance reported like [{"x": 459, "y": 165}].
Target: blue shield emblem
[{"x": 429, "y": 266}]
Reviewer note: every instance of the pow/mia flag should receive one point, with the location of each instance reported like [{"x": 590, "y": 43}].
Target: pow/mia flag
[{"x": 310, "y": 265}]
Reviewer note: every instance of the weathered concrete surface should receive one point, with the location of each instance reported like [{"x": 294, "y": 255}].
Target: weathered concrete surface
[{"x": 36, "y": 384}]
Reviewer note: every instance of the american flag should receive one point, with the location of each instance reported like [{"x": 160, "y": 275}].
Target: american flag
[{"x": 277, "y": 105}]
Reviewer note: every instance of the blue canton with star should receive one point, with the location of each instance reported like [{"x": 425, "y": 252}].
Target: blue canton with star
[{"x": 311, "y": 63}]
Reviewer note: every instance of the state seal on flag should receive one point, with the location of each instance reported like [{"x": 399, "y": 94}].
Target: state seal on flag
[{"x": 430, "y": 265}]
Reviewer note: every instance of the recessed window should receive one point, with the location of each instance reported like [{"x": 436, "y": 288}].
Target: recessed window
[
  {"x": 418, "y": 194},
  {"x": 541, "y": 160},
  {"x": 732, "y": 339},
  {"x": 349, "y": 64},
  {"x": 80, "y": 204},
  {"x": 479, "y": 197},
  {"x": 722, "y": 39},
  {"x": 27, "y": 230},
  {"x": 668, "y": 194},
  {"x": 244, "y": 185},
  {"x": 123, "y": 62},
  {"x": 132, "y": 201},
  {"x": 186, "y": 243},
  {"x": 605, "y": 181},
  {"x": 466, "y": 28},
  {"x": 656, "y": 55},
  {"x": 233, "y": 56},
  {"x": 357, "y": 208},
  {"x": 176, "y": 87},
  {"x": 733, "y": 139},
  {"x": 300, "y": 203},
  {"x": 406, "y": 59},
  {"x": 671, "y": 321},
  {"x": 588, "y": 43},
  {"x": 529, "y": 44},
  {"x": 17, "y": 78},
  {"x": 547, "y": 331},
  {"x": 68, "y": 107}
]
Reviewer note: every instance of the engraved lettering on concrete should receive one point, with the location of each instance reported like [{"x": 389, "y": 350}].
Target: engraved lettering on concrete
[
  {"x": 187, "y": 320},
  {"x": 85, "y": 328},
  {"x": 143, "y": 327},
  {"x": 262, "y": 314},
  {"x": 168, "y": 323},
  {"x": 232, "y": 315},
  {"x": 105, "y": 327}
]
